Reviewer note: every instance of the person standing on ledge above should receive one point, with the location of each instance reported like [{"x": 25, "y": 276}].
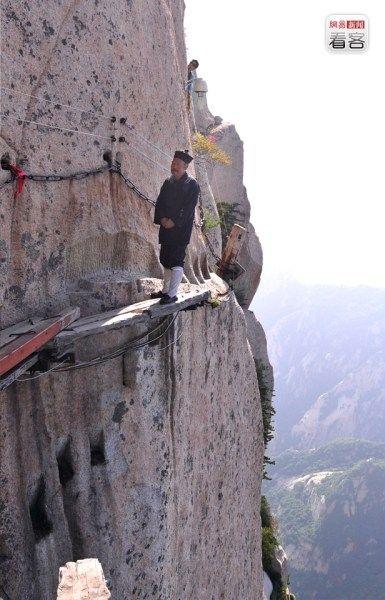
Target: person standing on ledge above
[
  {"x": 175, "y": 212},
  {"x": 191, "y": 75}
]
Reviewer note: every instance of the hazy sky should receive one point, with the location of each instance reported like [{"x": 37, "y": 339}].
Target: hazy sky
[{"x": 313, "y": 128}]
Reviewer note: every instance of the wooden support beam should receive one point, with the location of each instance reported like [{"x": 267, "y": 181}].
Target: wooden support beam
[
  {"x": 232, "y": 248},
  {"x": 28, "y": 341},
  {"x": 83, "y": 580}
]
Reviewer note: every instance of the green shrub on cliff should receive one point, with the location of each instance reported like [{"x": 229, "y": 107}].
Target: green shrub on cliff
[
  {"x": 267, "y": 393},
  {"x": 210, "y": 220},
  {"x": 269, "y": 545},
  {"x": 266, "y": 516},
  {"x": 229, "y": 214}
]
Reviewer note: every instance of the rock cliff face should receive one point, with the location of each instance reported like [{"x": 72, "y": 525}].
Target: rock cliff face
[
  {"x": 152, "y": 462},
  {"x": 230, "y": 197},
  {"x": 158, "y": 478},
  {"x": 103, "y": 59}
]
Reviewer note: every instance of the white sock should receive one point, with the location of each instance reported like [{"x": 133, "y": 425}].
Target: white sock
[
  {"x": 176, "y": 278},
  {"x": 166, "y": 281}
]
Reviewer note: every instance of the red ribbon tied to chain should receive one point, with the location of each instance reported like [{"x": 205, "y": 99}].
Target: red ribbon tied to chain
[{"x": 19, "y": 175}]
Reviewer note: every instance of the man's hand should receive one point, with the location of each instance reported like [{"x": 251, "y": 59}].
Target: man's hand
[{"x": 167, "y": 223}]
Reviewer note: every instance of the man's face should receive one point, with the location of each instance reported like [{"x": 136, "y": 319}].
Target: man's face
[{"x": 178, "y": 168}]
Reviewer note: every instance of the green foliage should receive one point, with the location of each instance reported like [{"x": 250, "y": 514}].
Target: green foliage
[
  {"x": 229, "y": 214},
  {"x": 340, "y": 454},
  {"x": 210, "y": 220},
  {"x": 266, "y": 461},
  {"x": 214, "y": 302},
  {"x": 295, "y": 515},
  {"x": 348, "y": 533},
  {"x": 279, "y": 593},
  {"x": 269, "y": 544},
  {"x": 266, "y": 516},
  {"x": 268, "y": 411}
]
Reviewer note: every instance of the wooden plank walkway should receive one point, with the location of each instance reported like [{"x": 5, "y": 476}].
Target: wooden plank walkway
[
  {"x": 20, "y": 344},
  {"x": 135, "y": 314},
  {"x": 21, "y": 341},
  {"x": 184, "y": 301}
]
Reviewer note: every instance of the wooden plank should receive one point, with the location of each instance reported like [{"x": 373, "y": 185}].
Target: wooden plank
[
  {"x": 233, "y": 246},
  {"x": 99, "y": 325},
  {"x": 10, "y": 333},
  {"x": 184, "y": 301},
  {"x": 134, "y": 314},
  {"x": 11, "y": 376},
  {"x": 20, "y": 348},
  {"x": 116, "y": 312}
]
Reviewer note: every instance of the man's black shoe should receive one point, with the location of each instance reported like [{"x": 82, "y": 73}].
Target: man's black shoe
[
  {"x": 157, "y": 295},
  {"x": 167, "y": 299}
]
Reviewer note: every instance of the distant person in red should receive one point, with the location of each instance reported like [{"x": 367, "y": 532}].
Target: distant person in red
[{"x": 175, "y": 212}]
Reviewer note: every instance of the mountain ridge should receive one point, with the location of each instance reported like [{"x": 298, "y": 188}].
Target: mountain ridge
[{"x": 321, "y": 338}]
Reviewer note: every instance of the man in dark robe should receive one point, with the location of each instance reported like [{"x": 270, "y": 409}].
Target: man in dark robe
[{"x": 175, "y": 212}]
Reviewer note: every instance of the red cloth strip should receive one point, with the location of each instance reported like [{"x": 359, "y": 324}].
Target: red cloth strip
[{"x": 19, "y": 176}]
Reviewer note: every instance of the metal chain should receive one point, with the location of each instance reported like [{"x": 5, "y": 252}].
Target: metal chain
[
  {"x": 79, "y": 175},
  {"x": 112, "y": 169},
  {"x": 123, "y": 349},
  {"x": 82, "y": 175},
  {"x": 132, "y": 186}
]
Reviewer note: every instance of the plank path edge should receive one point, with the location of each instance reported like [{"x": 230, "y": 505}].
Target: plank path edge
[
  {"x": 184, "y": 301},
  {"x": 134, "y": 314},
  {"x": 23, "y": 345},
  {"x": 10, "y": 377}
]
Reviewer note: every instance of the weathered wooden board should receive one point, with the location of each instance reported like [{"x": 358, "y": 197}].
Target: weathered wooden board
[
  {"x": 233, "y": 247},
  {"x": 32, "y": 339},
  {"x": 184, "y": 301},
  {"x": 111, "y": 314},
  {"x": 96, "y": 325},
  {"x": 134, "y": 314},
  {"x": 11, "y": 376},
  {"x": 11, "y": 333}
]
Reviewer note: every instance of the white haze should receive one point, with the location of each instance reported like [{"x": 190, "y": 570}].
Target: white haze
[{"x": 313, "y": 128}]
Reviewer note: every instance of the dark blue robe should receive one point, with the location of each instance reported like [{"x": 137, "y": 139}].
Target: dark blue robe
[{"x": 177, "y": 200}]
